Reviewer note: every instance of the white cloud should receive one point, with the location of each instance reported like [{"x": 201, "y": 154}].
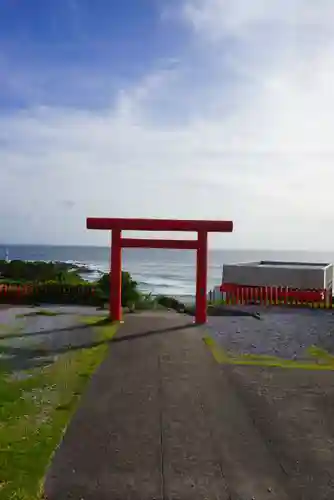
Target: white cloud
[
  {"x": 218, "y": 18},
  {"x": 267, "y": 163}
]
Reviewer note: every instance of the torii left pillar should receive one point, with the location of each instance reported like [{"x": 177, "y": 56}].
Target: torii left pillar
[
  {"x": 115, "y": 298},
  {"x": 201, "y": 227}
]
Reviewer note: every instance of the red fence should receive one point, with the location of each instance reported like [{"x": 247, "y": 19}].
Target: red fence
[
  {"x": 265, "y": 295},
  {"x": 48, "y": 293}
]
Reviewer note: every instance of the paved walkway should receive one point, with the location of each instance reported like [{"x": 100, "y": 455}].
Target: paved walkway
[{"x": 161, "y": 420}]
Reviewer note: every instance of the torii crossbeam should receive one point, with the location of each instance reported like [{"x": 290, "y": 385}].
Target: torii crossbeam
[{"x": 116, "y": 226}]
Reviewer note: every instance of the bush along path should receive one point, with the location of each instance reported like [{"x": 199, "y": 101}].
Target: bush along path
[
  {"x": 37, "y": 403},
  {"x": 47, "y": 282},
  {"x": 40, "y": 283}
]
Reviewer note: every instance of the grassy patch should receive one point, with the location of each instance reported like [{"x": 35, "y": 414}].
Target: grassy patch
[
  {"x": 105, "y": 328},
  {"x": 35, "y": 411},
  {"x": 322, "y": 359},
  {"x": 41, "y": 312},
  {"x": 321, "y": 356},
  {"x": 7, "y": 330}
]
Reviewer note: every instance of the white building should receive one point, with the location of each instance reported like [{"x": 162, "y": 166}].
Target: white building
[{"x": 297, "y": 275}]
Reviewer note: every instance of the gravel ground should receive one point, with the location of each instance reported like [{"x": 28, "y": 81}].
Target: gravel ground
[
  {"x": 31, "y": 341},
  {"x": 283, "y": 332}
]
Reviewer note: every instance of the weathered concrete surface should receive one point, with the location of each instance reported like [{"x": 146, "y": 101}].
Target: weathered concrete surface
[
  {"x": 162, "y": 420},
  {"x": 292, "y": 413},
  {"x": 28, "y": 340}
]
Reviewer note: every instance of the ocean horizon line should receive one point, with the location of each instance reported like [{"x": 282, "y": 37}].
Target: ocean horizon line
[
  {"x": 155, "y": 271},
  {"x": 211, "y": 248}
]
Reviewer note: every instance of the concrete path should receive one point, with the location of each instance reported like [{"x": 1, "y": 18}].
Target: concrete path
[{"x": 162, "y": 420}]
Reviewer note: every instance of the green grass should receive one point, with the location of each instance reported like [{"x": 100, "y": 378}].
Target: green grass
[
  {"x": 42, "y": 312},
  {"x": 8, "y": 281},
  {"x": 322, "y": 360},
  {"x": 35, "y": 411},
  {"x": 6, "y": 329}
]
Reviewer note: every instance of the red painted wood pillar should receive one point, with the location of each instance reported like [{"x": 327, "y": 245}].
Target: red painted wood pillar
[
  {"x": 115, "y": 307},
  {"x": 201, "y": 277}
]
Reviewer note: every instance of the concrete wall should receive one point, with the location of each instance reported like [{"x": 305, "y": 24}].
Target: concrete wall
[
  {"x": 329, "y": 276},
  {"x": 255, "y": 275}
]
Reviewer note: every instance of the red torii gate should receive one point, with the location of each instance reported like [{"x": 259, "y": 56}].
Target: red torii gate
[{"x": 116, "y": 226}]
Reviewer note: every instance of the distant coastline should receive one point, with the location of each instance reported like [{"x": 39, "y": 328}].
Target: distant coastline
[{"x": 157, "y": 272}]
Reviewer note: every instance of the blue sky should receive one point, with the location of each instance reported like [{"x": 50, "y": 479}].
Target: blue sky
[
  {"x": 75, "y": 53},
  {"x": 217, "y": 109}
]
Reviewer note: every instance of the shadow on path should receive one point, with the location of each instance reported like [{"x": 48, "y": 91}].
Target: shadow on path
[
  {"x": 21, "y": 358},
  {"x": 148, "y": 333},
  {"x": 20, "y": 334},
  {"x": 21, "y": 363},
  {"x": 32, "y": 352},
  {"x": 232, "y": 311}
]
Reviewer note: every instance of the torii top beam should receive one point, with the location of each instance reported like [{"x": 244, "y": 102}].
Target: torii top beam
[{"x": 210, "y": 226}]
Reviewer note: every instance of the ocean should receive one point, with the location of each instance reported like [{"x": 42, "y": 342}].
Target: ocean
[{"x": 170, "y": 272}]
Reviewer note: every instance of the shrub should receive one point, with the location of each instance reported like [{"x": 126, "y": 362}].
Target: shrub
[
  {"x": 170, "y": 303},
  {"x": 130, "y": 293},
  {"x": 37, "y": 271},
  {"x": 146, "y": 302}
]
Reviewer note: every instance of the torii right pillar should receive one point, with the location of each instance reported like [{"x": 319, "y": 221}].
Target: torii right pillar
[{"x": 201, "y": 277}]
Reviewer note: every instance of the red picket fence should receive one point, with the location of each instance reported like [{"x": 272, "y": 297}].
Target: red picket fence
[
  {"x": 265, "y": 295},
  {"x": 48, "y": 292}
]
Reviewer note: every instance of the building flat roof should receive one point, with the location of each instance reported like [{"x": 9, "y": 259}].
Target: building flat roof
[{"x": 285, "y": 264}]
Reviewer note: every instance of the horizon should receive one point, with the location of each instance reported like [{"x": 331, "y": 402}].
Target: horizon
[
  {"x": 210, "y": 248},
  {"x": 188, "y": 109}
]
